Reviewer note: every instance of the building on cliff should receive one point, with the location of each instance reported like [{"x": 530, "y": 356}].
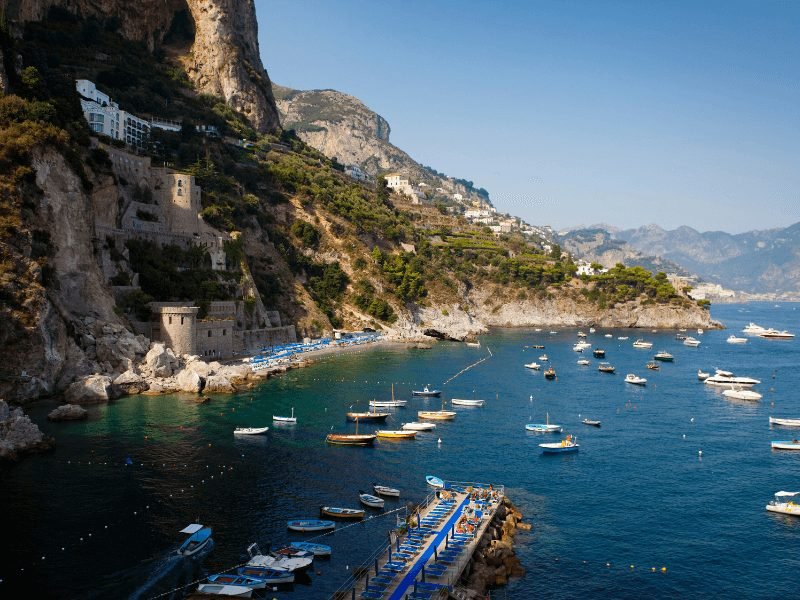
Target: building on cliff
[{"x": 106, "y": 118}]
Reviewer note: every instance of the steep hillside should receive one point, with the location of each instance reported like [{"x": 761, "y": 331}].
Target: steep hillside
[
  {"x": 342, "y": 127},
  {"x": 755, "y": 261}
]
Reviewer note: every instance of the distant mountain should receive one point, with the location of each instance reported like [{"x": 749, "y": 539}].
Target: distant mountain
[
  {"x": 755, "y": 261},
  {"x": 342, "y": 127},
  {"x": 597, "y": 244}
]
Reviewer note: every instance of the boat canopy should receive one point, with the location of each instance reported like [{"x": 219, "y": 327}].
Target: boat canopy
[
  {"x": 192, "y": 528},
  {"x": 785, "y": 494}
]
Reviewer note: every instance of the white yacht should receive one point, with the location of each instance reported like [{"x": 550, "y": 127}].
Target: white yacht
[
  {"x": 732, "y": 339},
  {"x": 753, "y": 329},
  {"x": 774, "y": 334},
  {"x": 727, "y": 379},
  {"x": 738, "y": 393},
  {"x": 690, "y": 341},
  {"x": 640, "y": 343},
  {"x": 635, "y": 379}
]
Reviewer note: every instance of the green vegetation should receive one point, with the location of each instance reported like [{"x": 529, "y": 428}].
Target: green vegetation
[
  {"x": 306, "y": 233},
  {"x": 624, "y": 284}
]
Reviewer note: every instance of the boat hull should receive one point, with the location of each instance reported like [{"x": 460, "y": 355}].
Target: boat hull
[
  {"x": 250, "y": 430},
  {"x": 310, "y": 525},
  {"x": 463, "y": 402},
  {"x": 346, "y": 439},
  {"x": 232, "y": 591},
  {"x": 784, "y": 422},
  {"x": 396, "y": 434},
  {"x": 785, "y": 445},
  {"x": 367, "y": 417},
  {"x": 434, "y": 481},
  {"x": 785, "y": 509},
  {"x": 543, "y": 428},
  {"x": 437, "y": 415},
  {"x": 558, "y": 448},
  {"x": 315, "y": 549},
  {"x": 382, "y": 490},
  {"x": 341, "y": 513},
  {"x": 419, "y": 426}
]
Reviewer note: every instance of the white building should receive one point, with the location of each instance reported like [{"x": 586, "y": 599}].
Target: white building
[
  {"x": 397, "y": 183},
  {"x": 105, "y": 117},
  {"x": 585, "y": 268},
  {"x": 356, "y": 173},
  {"x": 458, "y": 197}
]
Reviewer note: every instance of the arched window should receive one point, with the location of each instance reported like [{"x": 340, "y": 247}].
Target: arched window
[
  {"x": 180, "y": 182},
  {"x": 180, "y": 192}
]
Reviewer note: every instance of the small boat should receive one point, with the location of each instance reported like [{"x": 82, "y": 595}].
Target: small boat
[
  {"x": 256, "y": 583},
  {"x": 291, "y": 419},
  {"x": 663, "y": 356},
  {"x": 287, "y": 560},
  {"x": 383, "y": 490},
  {"x": 466, "y": 402},
  {"x": 372, "y": 416},
  {"x": 434, "y": 481},
  {"x": 338, "y": 512},
  {"x": 691, "y": 342},
  {"x": 234, "y": 591},
  {"x": 680, "y": 337},
  {"x": 417, "y": 426},
  {"x": 545, "y": 427},
  {"x": 653, "y": 366},
  {"x": 732, "y": 339},
  {"x": 370, "y": 500},
  {"x": 387, "y": 403},
  {"x": 584, "y": 361},
  {"x": 535, "y": 366},
  {"x": 774, "y": 334},
  {"x": 267, "y": 575},
  {"x": 396, "y": 434},
  {"x": 250, "y": 430},
  {"x": 640, "y": 343},
  {"x": 538, "y": 347},
  {"x": 351, "y": 439},
  {"x": 623, "y": 338},
  {"x": 700, "y": 331},
  {"x": 473, "y": 344},
  {"x": 314, "y": 548},
  {"x": 702, "y": 375},
  {"x": 635, "y": 379},
  {"x": 199, "y": 538},
  {"x": 310, "y": 525},
  {"x": 592, "y": 330},
  {"x": 581, "y": 346},
  {"x": 544, "y": 358},
  {"x": 426, "y": 391},
  {"x": 785, "y": 444},
  {"x": 591, "y": 422},
  {"x": 784, "y": 422},
  {"x": 581, "y": 334},
  {"x": 437, "y": 415},
  {"x": 784, "y": 503},
  {"x": 608, "y": 335},
  {"x": 605, "y": 367},
  {"x": 568, "y": 444},
  {"x": 740, "y": 394},
  {"x": 550, "y": 373},
  {"x": 599, "y": 353}
]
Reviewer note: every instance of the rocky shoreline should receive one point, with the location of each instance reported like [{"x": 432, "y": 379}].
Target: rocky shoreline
[{"x": 494, "y": 561}]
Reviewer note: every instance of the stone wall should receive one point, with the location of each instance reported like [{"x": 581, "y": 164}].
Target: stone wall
[
  {"x": 215, "y": 339},
  {"x": 251, "y": 341}
]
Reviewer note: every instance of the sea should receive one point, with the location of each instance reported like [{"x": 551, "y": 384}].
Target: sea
[{"x": 665, "y": 500}]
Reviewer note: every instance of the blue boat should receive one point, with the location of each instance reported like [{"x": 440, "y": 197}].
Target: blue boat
[
  {"x": 199, "y": 538},
  {"x": 256, "y": 583},
  {"x": 568, "y": 444},
  {"x": 434, "y": 481},
  {"x": 315, "y": 549},
  {"x": 310, "y": 525},
  {"x": 427, "y": 392},
  {"x": 265, "y": 575}
]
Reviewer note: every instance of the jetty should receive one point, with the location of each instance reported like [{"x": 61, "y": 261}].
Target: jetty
[{"x": 433, "y": 550}]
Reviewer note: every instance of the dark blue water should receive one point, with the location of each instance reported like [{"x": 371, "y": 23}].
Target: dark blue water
[{"x": 637, "y": 496}]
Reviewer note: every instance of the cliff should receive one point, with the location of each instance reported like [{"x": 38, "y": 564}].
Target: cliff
[{"x": 217, "y": 41}]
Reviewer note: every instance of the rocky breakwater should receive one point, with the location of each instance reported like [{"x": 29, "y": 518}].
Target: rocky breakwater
[
  {"x": 19, "y": 435},
  {"x": 494, "y": 560}
]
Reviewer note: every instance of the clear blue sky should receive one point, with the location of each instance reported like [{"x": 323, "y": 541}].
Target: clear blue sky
[{"x": 573, "y": 112}]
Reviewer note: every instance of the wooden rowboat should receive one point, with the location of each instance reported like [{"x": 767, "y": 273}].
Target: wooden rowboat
[
  {"x": 250, "y": 430},
  {"x": 383, "y": 490},
  {"x": 350, "y": 439},
  {"x": 341, "y": 513},
  {"x": 310, "y": 525},
  {"x": 396, "y": 434},
  {"x": 437, "y": 415}
]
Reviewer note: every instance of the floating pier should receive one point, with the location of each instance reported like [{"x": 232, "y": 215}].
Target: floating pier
[{"x": 434, "y": 551}]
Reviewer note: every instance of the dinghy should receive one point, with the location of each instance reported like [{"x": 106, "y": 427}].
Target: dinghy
[
  {"x": 635, "y": 379},
  {"x": 234, "y": 591},
  {"x": 466, "y": 402},
  {"x": 291, "y": 419},
  {"x": 338, "y": 512},
  {"x": 545, "y": 427},
  {"x": 370, "y": 500},
  {"x": 383, "y": 490},
  {"x": 605, "y": 367},
  {"x": 396, "y": 434},
  {"x": 591, "y": 422},
  {"x": 310, "y": 525},
  {"x": 785, "y": 444},
  {"x": 315, "y": 549},
  {"x": 784, "y": 422},
  {"x": 272, "y": 576},
  {"x": 418, "y": 426},
  {"x": 250, "y": 430},
  {"x": 256, "y": 583},
  {"x": 784, "y": 503},
  {"x": 568, "y": 444},
  {"x": 434, "y": 481},
  {"x": 199, "y": 538}
]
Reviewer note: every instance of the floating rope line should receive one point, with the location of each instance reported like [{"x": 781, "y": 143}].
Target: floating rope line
[
  {"x": 195, "y": 582},
  {"x": 338, "y": 529},
  {"x": 475, "y": 364}
]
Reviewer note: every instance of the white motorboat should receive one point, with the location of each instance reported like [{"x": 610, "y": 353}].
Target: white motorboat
[
  {"x": 218, "y": 589},
  {"x": 370, "y": 500},
  {"x": 784, "y": 422},
  {"x": 581, "y": 346},
  {"x": 785, "y": 444},
  {"x": 640, "y": 343},
  {"x": 282, "y": 563},
  {"x": 291, "y": 419},
  {"x": 732, "y": 339},
  {"x": 740, "y": 394},
  {"x": 544, "y": 358},
  {"x": 753, "y": 329},
  {"x": 691, "y": 342},
  {"x": 383, "y": 490},
  {"x": 387, "y": 403},
  {"x": 466, "y": 402},
  {"x": 608, "y": 335},
  {"x": 728, "y": 380},
  {"x": 623, "y": 338},
  {"x": 700, "y": 332},
  {"x": 592, "y": 330},
  {"x": 473, "y": 344},
  {"x": 635, "y": 379},
  {"x": 581, "y": 334},
  {"x": 418, "y": 426},
  {"x": 774, "y": 334},
  {"x": 784, "y": 503},
  {"x": 568, "y": 444},
  {"x": 584, "y": 361},
  {"x": 534, "y": 366},
  {"x": 250, "y": 430},
  {"x": 702, "y": 375}
]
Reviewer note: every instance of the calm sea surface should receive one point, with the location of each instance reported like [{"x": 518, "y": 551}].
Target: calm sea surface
[{"x": 80, "y": 523}]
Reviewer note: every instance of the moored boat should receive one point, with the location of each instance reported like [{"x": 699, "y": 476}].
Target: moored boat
[
  {"x": 584, "y": 361},
  {"x": 605, "y": 367},
  {"x": 591, "y": 422},
  {"x": 232, "y": 591},
  {"x": 314, "y": 548},
  {"x": 546, "y": 427},
  {"x": 367, "y": 416},
  {"x": 384, "y": 490},
  {"x": 753, "y": 329},
  {"x": 691, "y": 342},
  {"x": 417, "y": 426},
  {"x": 729, "y": 380},
  {"x": 784, "y": 422},
  {"x": 337, "y": 512},
  {"x": 396, "y": 434},
  {"x": 310, "y": 525},
  {"x": 291, "y": 419},
  {"x": 740, "y": 394},
  {"x": 544, "y": 358},
  {"x": 653, "y": 365},
  {"x": 732, "y": 339},
  {"x": 640, "y": 343},
  {"x": 370, "y": 500},
  {"x": 266, "y": 575},
  {"x": 250, "y": 430},
  {"x": 702, "y": 375},
  {"x": 550, "y": 373},
  {"x": 599, "y": 353},
  {"x": 568, "y": 444},
  {"x": 350, "y": 439},
  {"x": 774, "y": 334},
  {"x": 434, "y": 481},
  {"x": 785, "y": 444},
  {"x": 784, "y": 503},
  {"x": 467, "y": 402},
  {"x": 387, "y": 403},
  {"x": 663, "y": 356},
  {"x": 534, "y": 365},
  {"x": 256, "y": 583},
  {"x": 287, "y": 560},
  {"x": 437, "y": 415},
  {"x": 426, "y": 391},
  {"x": 635, "y": 379},
  {"x": 199, "y": 538}
]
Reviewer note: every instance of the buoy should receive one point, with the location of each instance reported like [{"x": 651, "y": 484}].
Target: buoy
[
  {"x": 663, "y": 569},
  {"x": 684, "y": 436},
  {"x": 608, "y": 565},
  {"x": 691, "y": 420},
  {"x": 652, "y": 569},
  {"x": 700, "y": 453},
  {"x": 632, "y": 567},
  {"x": 440, "y": 441}
]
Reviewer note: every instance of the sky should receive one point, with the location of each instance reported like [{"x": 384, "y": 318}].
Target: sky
[{"x": 624, "y": 112}]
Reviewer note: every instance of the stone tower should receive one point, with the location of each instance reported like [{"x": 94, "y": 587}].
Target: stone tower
[
  {"x": 175, "y": 325},
  {"x": 181, "y": 203}
]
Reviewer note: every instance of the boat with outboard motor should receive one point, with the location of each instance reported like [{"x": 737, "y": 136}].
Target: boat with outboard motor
[
  {"x": 784, "y": 503},
  {"x": 199, "y": 538}
]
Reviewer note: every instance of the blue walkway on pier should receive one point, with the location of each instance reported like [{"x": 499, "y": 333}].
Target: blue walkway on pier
[{"x": 422, "y": 559}]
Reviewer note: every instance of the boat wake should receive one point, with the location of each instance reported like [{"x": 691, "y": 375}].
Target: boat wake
[{"x": 170, "y": 573}]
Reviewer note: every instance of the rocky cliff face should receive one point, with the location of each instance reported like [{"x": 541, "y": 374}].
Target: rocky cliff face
[{"x": 222, "y": 56}]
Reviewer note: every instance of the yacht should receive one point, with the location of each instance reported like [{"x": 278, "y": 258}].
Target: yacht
[
  {"x": 753, "y": 329},
  {"x": 774, "y": 334},
  {"x": 729, "y": 380},
  {"x": 690, "y": 341},
  {"x": 635, "y": 379},
  {"x": 640, "y": 343},
  {"x": 732, "y": 339}
]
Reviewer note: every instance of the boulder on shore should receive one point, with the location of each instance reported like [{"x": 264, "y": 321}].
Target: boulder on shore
[
  {"x": 93, "y": 389},
  {"x": 160, "y": 361},
  {"x": 18, "y": 434},
  {"x": 218, "y": 384},
  {"x": 68, "y": 412},
  {"x": 130, "y": 382},
  {"x": 189, "y": 381}
]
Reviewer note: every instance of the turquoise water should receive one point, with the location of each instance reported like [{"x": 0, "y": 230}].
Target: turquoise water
[{"x": 638, "y": 496}]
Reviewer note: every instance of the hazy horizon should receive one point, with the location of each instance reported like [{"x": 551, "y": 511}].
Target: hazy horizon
[{"x": 620, "y": 112}]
